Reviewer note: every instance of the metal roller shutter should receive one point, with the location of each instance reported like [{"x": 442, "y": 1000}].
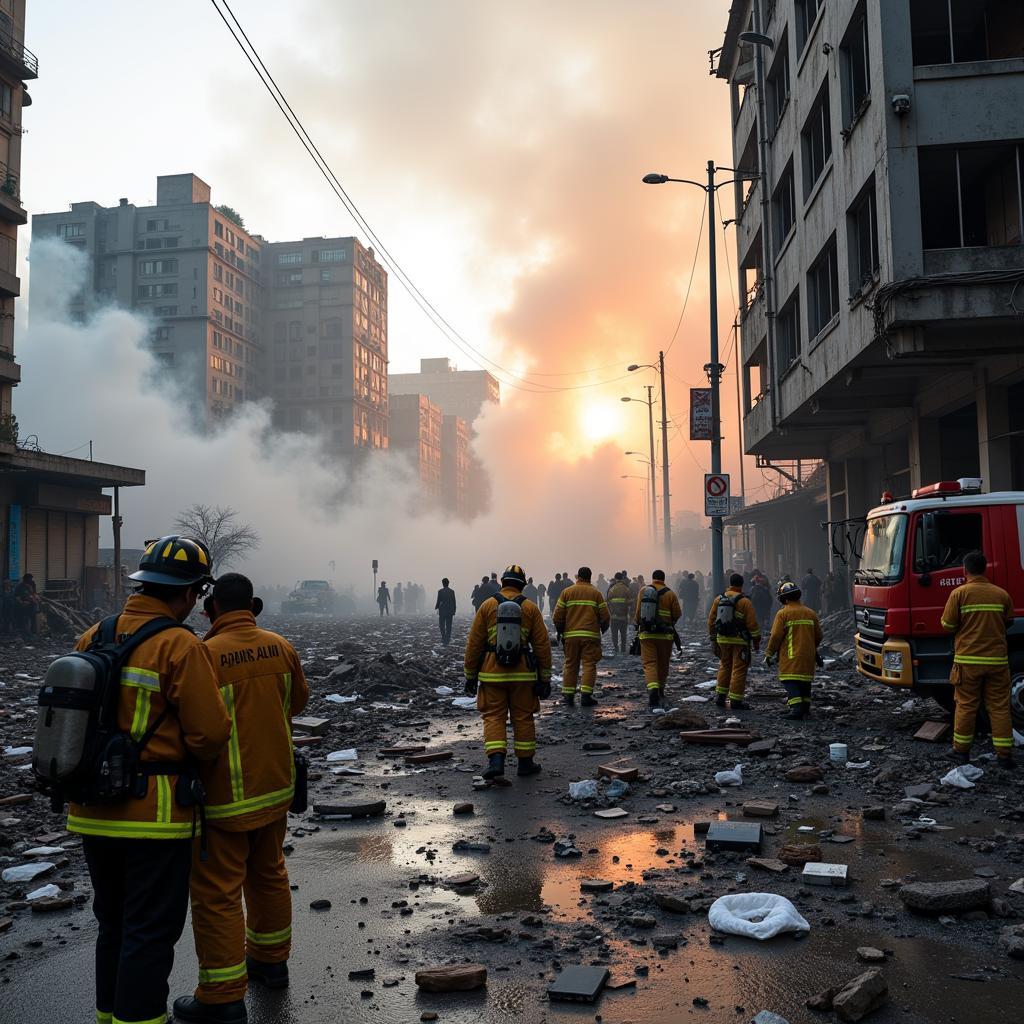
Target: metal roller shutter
[
  {"x": 35, "y": 545},
  {"x": 76, "y": 548},
  {"x": 56, "y": 559}
]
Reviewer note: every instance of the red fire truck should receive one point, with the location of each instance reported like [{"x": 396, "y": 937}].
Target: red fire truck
[{"x": 912, "y": 557}]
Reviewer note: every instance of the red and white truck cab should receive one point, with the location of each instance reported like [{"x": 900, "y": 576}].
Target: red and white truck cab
[{"x": 911, "y": 560}]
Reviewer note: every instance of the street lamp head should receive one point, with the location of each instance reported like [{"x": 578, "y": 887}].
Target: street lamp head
[
  {"x": 655, "y": 179},
  {"x": 625, "y": 399},
  {"x": 635, "y": 366},
  {"x": 757, "y": 39}
]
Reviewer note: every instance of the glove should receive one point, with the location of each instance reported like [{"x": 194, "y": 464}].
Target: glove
[
  {"x": 470, "y": 688},
  {"x": 819, "y": 660},
  {"x": 770, "y": 660},
  {"x": 560, "y": 638},
  {"x": 604, "y": 627},
  {"x": 542, "y": 688},
  {"x": 715, "y": 649}
]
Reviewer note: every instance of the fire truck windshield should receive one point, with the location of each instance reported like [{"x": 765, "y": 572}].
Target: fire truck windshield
[{"x": 881, "y": 561}]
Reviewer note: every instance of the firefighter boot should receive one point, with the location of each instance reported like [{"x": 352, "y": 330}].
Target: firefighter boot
[
  {"x": 796, "y": 714},
  {"x": 271, "y": 975},
  {"x": 569, "y": 699},
  {"x": 654, "y": 697},
  {"x": 527, "y": 766},
  {"x": 191, "y": 1011},
  {"x": 495, "y": 766},
  {"x": 1006, "y": 763},
  {"x": 588, "y": 700},
  {"x": 962, "y": 757},
  {"x": 738, "y": 705},
  {"x": 720, "y": 700}
]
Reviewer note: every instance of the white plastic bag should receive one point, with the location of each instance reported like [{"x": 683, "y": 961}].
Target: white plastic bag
[
  {"x": 585, "y": 790},
  {"x": 336, "y": 698},
  {"x": 443, "y": 691},
  {"x": 755, "y": 915},
  {"x": 1018, "y": 740},
  {"x": 733, "y": 778},
  {"x": 342, "y": 755},
  {"x": 43, "y": 893},
  {"x": 26, "y": 872},
  {"x": 464, "y": 702},
  {"x": 963, "y": 776}
]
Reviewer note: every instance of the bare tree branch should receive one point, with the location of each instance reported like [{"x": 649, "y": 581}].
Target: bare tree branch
[{"x": 219, "y": 529}]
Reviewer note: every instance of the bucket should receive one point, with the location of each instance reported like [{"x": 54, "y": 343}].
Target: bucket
[{"x": 837, "y": 751}]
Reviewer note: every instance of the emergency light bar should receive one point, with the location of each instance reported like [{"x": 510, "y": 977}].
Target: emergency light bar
[{"x": 947, "y": 488}]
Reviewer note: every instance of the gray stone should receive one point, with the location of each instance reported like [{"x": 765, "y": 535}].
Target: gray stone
[
  {"x": 870, "y": 955},
  {"x": 1012, "y": 941},
  {"x": 947, "y": 897},
  {"x": 673, "y": 904},
  {"x": 859, "y": 996},
  {"x": 641, "y": 921},
  {"x": 767, "y": 1017},
  {"x": 665, "y": 941}
]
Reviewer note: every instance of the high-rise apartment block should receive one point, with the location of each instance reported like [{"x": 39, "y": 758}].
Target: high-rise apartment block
[
  {"x": 456, "y": 465},
  {"x": 416, "y": 429},
  {"x": 461, "y": 393}
]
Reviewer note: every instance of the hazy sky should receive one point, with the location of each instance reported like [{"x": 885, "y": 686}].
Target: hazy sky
[{"x": 496, "y": 148}]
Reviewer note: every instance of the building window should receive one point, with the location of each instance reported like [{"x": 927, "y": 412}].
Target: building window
[
  {"x": 165, "y": 310},
  {"x": 862, "y": 232},
  {"x": 817, "y": 141},
  {"x": 156, "y": 291},
  {"x": 806, "y": 11},
  {"x": 290, "y": 277},
  {"x": 325, "y": 276},
  {"x": 70, "y": 230},
  {"x": 971, "y": 196},
  {"x": 778, "y": 85},
  {"x": 167, "y": 358},
  {"x": 783, "y": 208},
  {"x": 958, "y": 31},
  {"x": 823, "y": 290},
  {"x": 6, "y": 97},
  {"x": 331, "y": 329},
  {"x": 287, "y": 258},
  {"x": 150, "y": 267},
  {"x": 162, "y": 334},
  {"x": 856, "y": 69},
  {"x": 157, "y": 225},
  {"x": 328, "y": 255}
]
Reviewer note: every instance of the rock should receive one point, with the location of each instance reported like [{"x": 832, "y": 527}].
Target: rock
[
  {"x": 456, "y": 978},
  {"x": 760, "y": 809},
  {"x": 762, "y": 748},
  {"x": 822, "y": 1002},
  {"x": 596, "y": 746},
  {"x": 567, "y": 848},
  {"x": 665, "y": 941},
  {"x": 681, "y": 718},
  {"x": 984, "y": 873},
  {"x": 873, "y": 814},
  {"x": 641, "y": 921},
  {"x": 5, "y": 923},
  {"x": 805, "y": 773},
  {"x": 1012, "y": 941},
  {"x": 870, "y": 955},
  {"x": 767, "y": 1017},
  {"x": 320, "y": 905},
  {"x": 463, "y": 880},
  {"x": 859, "y": 996},
  {"x": 768, "y": 864},
  {"x": 596, "y": 885},
  {"x": 673, "y": 904},
  {"x": 799, "y": 854},
  {"x": 428, "y": 1015},
  {"x": 362, "y": 974},
  {"x": 462, "y": 809},
  {"x": 48, "y": 904},
  {"x": 947, "y": 897},
  {"x": 919, "y": 791}
]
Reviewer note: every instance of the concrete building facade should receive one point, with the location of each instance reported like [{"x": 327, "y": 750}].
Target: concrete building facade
[
  {"x": 456, "y": 465},
  {"x": 461, "y": 393},
  {"x": 416, "y": 429},
  {"x": 188, "y": 266},
  {"x": 327, "y": 325},
  {"x": 880, "y": 250}
]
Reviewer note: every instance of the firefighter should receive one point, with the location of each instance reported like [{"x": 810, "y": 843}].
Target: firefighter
[
  {"x": 978, "y": 613},
  {"x": 793, "y": 644},
  {"x": 618, "y": 609},
  {"x": 249, "y": 788},
  {"x": 656, "y": 642},
  {"x": 139, "y": 851},
  {"x": 733, "y": 629},
  {"x": 505, "y": 691},
  {"x": 581, "y": 616}
]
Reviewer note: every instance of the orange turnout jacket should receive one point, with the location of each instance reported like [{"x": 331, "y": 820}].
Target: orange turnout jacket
[
  {"x": 581, "y": 612},
  {"x": 482, "y": 664},
  {"x": 252, "y": 781},
  {"x": 669, "y": 612},
  {"x": 746, "y": 619},
  {"x": 796, "y": 634},
  {"x": 979, "y": 612},
  {"x": 170, "y": 672},
  {"x": 619, "y": 600}
]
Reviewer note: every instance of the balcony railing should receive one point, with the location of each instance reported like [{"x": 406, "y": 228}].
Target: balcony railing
[
  {"x": 9, "y": 184},
  {"x": 21, "y": 54}
]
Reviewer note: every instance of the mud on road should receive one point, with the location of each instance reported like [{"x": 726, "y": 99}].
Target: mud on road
[{"x": 397, "y": 903}]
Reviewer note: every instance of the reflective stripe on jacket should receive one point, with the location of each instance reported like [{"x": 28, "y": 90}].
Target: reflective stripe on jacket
[
  {"x": 745, "y": 616},
  {"x": 482, "y": 664},
  {"x": 253, "y": 780},
  {"x": 669, "y": 612},
  {"x": 619, "y": 600},
  {"x": 796, "y": 634},
  {"x": 581, "y": 612},
  {"x": 171, "y": 671},
  {"x": 978, "y": 612}
]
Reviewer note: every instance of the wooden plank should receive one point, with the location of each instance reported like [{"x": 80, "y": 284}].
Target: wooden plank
[
  {"x": 719, "y": 737},
  {"x": 932, "y": 732},
  {"x": 429, "y": 758},
  {"x": 306, "y": 741},
  {"x": 621, "y": 769},
  {"x": 312, "y": 726},
  {"x": 400, "y": 751}
]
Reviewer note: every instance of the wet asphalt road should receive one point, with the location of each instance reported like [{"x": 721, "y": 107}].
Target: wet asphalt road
[{"x": 376, "y": 861}]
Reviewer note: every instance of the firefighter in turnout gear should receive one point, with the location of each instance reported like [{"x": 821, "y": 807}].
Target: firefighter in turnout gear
[
  {"x": 581, "y": 616},
  {"x": 139, "y": 851},
  {"x": 978, "y": 613},
  {"x": 618, "y": 609},
  {"x": 657, "y": 612},
  {"x": 733, "y": 629},
  {"x": 508, "y": 670},
  {"x": 796, "y": 634},
  {"x": 249, "y": 788}
]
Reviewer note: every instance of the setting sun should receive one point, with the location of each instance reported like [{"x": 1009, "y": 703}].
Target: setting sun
[{"x": 599, "y": 420}]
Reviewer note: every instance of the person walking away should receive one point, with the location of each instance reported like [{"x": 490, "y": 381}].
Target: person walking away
[
  {"x": 399, "y": 598},
  {"x": 810, "y": 586},
  {"x": 602, "y": 585},
  {"x": 26, "y": 603},
  {"x": 479, "y": 593},
  {"x": 618, "y": 611},
  {"x": 384, "y": 599},
  {"x": 581, "y": 616},
  {"x": 445, "y": 608},
  {"x": 508, "y": 669},
  {"x": 978, "y": 614},
  {"x": 554, "y": 590},
  {"x": 690, "y": 593},
  {"x": 541, "y": 592},
  {"x": 733, "y": 631},
  {"x": 139, "y": 851},
  {"x": 8, "y": 608},
  {"x": 249, "y": 788},
  {"x": 761, "y": 599},
  {"x": 657, "y": 612},
  {"x": 530, "y": 591},
  {"x": 793, "y": 644}
]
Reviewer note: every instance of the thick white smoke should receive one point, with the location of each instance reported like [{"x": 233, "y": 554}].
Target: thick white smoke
[{"x": 96, "y": 381}]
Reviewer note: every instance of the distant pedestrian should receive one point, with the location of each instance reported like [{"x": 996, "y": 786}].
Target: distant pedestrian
[
  {"x": 541, "y": 593},
  {"x": 445, "y": 608},
  {"x": 479, "y": 593},
  {"x": 26, "y": 605},
  {"x": 793, "y": 645},
  {"x": 689, "y": 596},
  {"x": 761, "y": 599},
  {"x": 602, "y": 584},
  {"x": 619, "y": 609},
  {"x": 811, "y": 587},
  {"x": 399, "y": 598},
  {"x": 384, "y": 599},
  {"x": 530, "y": 591},
  {"x": 554, "y": 589}
]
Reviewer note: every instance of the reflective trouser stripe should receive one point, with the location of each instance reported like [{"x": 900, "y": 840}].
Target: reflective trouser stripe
[
  {"x": 268, "y": 938},
  {"x": 960, "y": 738},
  {"x": 212, "y": 975},
  {"x": 1002, "y": 741},
  {"x": 508, "y": 677},
  {"x": 234, "y": 749},
  {"x": 103, "y": 1018},
  {"x": 130, "y": 829},
  {"x": 972, "y": 659},
  {"x": 793, "y": 677},
  {"x": 162, "y": 1019},
  {"x": 525, "y": 748},
  {"x": 585, "y": 634},
  {"x": 493, "y": 746}
]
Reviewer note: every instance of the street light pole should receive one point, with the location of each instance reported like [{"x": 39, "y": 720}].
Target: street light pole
[
  {"x": 654, "y": 493},
  {"x": 714, "y": 372},
  {"x": 666, "y": 512}
]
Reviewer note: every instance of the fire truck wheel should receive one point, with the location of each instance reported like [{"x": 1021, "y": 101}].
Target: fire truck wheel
[{"x": 1017, "y": 690}]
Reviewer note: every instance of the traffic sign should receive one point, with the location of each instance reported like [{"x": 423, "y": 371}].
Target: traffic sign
[{"x": 716, "y": 494}]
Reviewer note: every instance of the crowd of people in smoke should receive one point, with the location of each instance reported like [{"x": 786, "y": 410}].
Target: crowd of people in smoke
[{"x": 407, "y": 600}]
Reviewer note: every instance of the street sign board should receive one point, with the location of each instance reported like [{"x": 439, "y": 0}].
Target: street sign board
[
  {"x": 716, "y": 494},
  {"x": 700, "y": 414}
]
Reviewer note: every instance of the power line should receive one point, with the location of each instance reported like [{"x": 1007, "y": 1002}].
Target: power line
[
  {"x": 429, "y": 310},
  {"x": 693, "y": 268}
]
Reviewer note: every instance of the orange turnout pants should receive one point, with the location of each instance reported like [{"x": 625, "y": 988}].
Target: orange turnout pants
[
  {"x": 732, "y": 671},
  {"x": 249, "y": 863},
  {"x": 499, "y": 702},
  {"x": 580, "y": 649},
  {"x": 655, "y": 656},
  {"x": 973, "y": 684}
]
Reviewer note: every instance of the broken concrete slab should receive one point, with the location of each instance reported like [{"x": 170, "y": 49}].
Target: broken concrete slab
[
  {"x": 311, "y": 726},
  {"x": 354, "y": 809},
  {"x": 734, "y": 835},
  {"x": 720, "y": 737},
  {"x": 610, "y": 813},
  {"x": 596, "y": 885},
  {"x": 760, "y": 809},
  {"x": 673, "y": 904},
  {"x": 771, "y": 864},
  {"x": 578, "y": 984},
  {"x": 947, "y": 897},
  {"x": 430, "y": 757},
  {"x": 415, "y": 748},
  {"x": 870, "y": 955},
  {"x": 819, "y": 873},
  {"x": 860, "y": 996},
  {"x": 623, "y": 770},
  {"x": 456, "y": 978},
  {"x": 1012, "y": 941},
  {"x": 681, "y": 718},
  {"x": 799, "y": 854},
  {"x": 805, "y": 773},
  {"x": 932, "y": 732}
]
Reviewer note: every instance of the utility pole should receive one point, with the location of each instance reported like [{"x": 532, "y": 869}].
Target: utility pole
[
  {"x": 666, "y": 511},
  {"x": 714, "y": 372},
  {"x": 116, "y": 523},
  {"x": 654, "y": 493}
]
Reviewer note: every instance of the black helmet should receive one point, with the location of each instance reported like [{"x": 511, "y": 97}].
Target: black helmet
[
  {"x": 788, "y": 591},
  {"x": 174, "y": 562},
  {"x": 514, "y": 574}
]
